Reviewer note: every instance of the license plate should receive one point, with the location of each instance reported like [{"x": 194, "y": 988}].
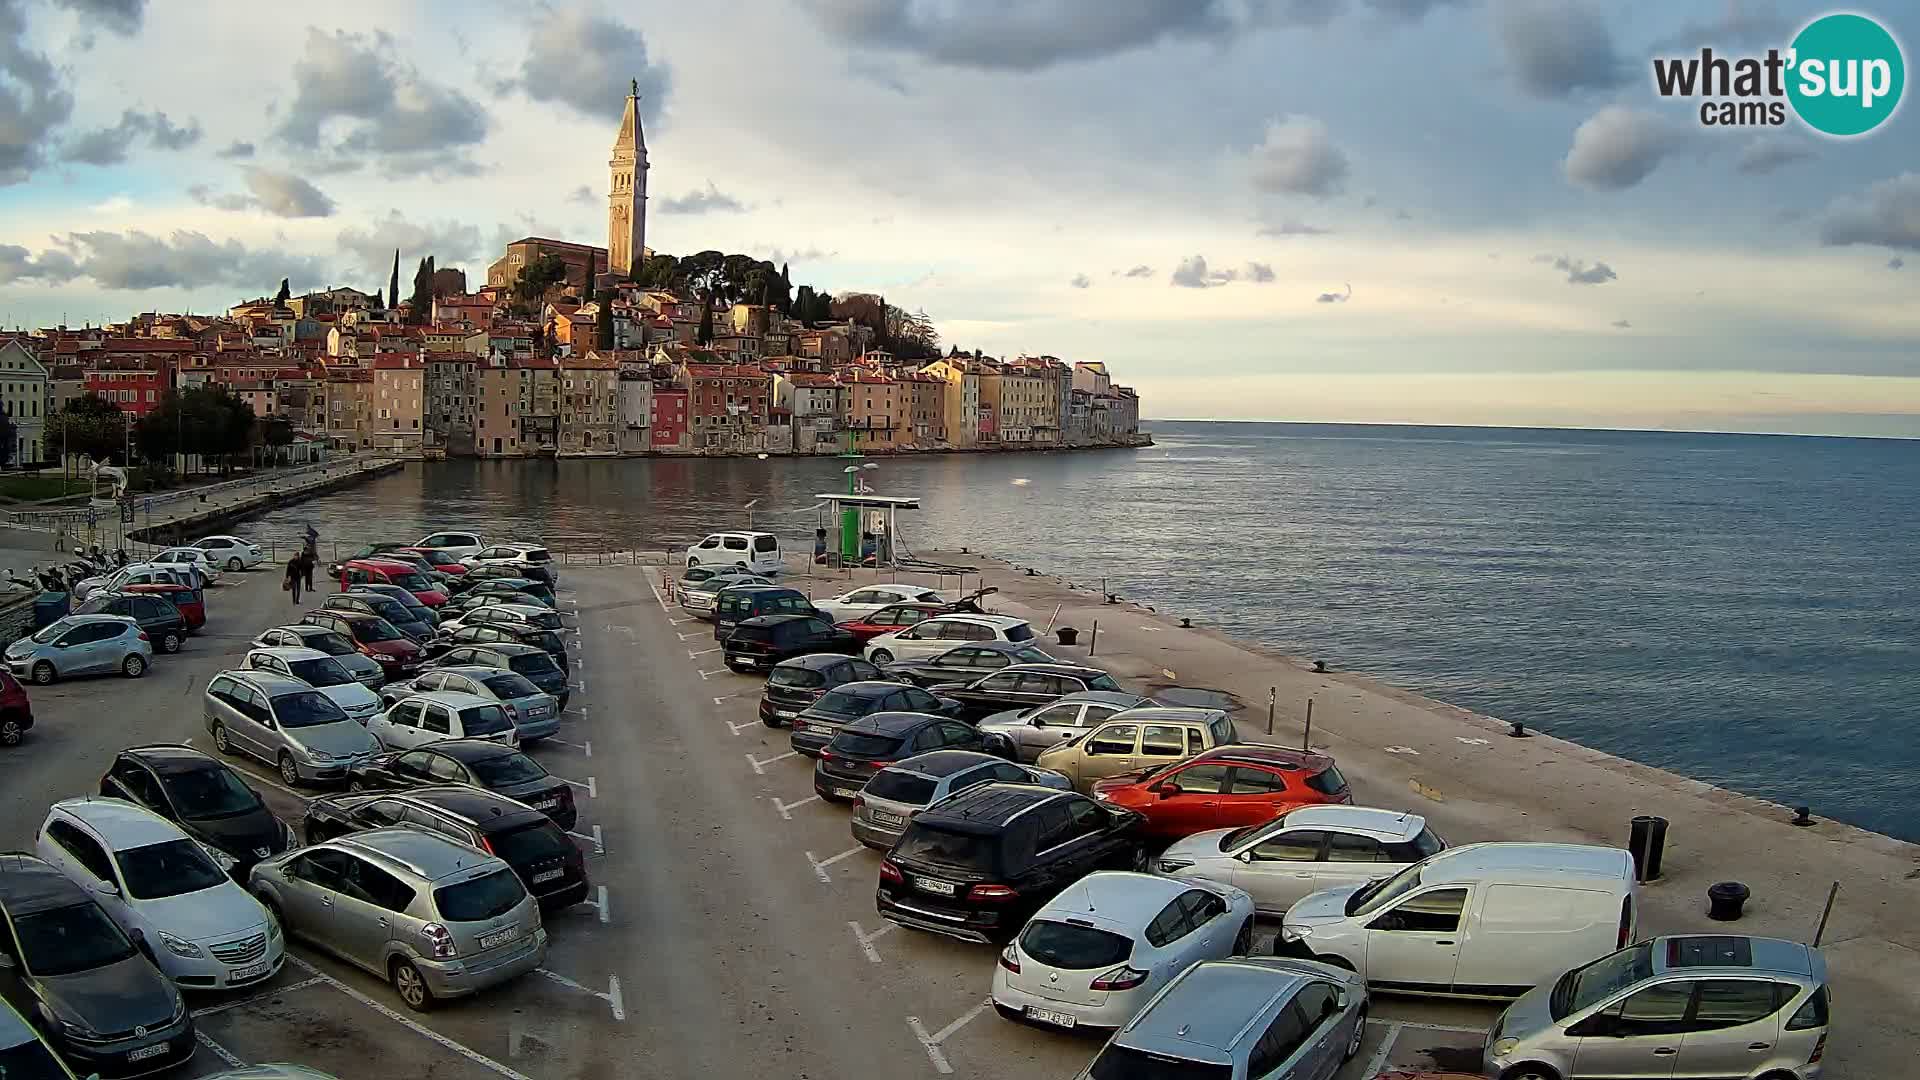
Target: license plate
[
  {"x": 786, "y": 714},
  {"x": 146, "y": 1052},
  {"x": 499, "y": 937},
  {"x": 938, "y": 888},
  {"x": 845, "y": 792},
  {"x": 546, "y": 804},
  {"x": 548, "y": 875},
  {"x": 1048, "y": 1016},
  {"x": 251, "y": 971},
  {"x": 881, "y": 817}
]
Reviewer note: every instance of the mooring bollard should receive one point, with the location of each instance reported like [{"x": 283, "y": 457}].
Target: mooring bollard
[
  {"x": 1093, "y": 638},
  {"x": 1647, "y": 842},
  {"x": 1518, "y": 731},
  {"x": 1725, "y": 900}
]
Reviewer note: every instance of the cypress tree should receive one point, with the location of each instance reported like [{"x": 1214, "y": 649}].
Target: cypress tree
[
  {"x": 393, "y": 283},
  {"x": 603, "y": 323},
  {"x": 706, "y": 323}
]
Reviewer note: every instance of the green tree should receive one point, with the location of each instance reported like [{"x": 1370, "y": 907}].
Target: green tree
[
  {"x": 393, "y": 283},
  {"x": 658, "y": 272},
  {"x": 603, "y": 322},
  {"x": 9, "y": 439},
  {"x": 536, "y": 278},
  {"x": 284, "y": 294},
  {"x": 706, "y": 324},
  {"x": 783, "y": 292},
  {"x": 803, "y": 304},
  {"x": 422, "y": 298},
  {"x": 276, "y": 434},
  {"x": 89, "y": 425}
]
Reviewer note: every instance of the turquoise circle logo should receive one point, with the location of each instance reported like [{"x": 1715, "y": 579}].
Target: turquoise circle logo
[{"x": 1848, "y": 75}]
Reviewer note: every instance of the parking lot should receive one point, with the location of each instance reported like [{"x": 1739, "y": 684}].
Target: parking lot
[{"x": 731, "y": 927}]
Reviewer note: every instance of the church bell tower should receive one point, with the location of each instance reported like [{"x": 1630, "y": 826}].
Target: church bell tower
[{"x": 627, "y": 201}]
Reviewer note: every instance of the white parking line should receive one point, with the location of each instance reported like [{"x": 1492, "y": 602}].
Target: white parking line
[
  {"x": 724, "y": 697},
  {"x": 591, "y": 786},
  {"x": 219, "y": 1051},
  {"x": 786, "y": 808},
  {"x": 616, "y": 628},
  {"x": 255, "y": 999},
  {"x": 584, "y": 747},
  {"x": 695, "y": 634},
  {"x": 668, "y": 612},
  {"x": 932, "y": 1042},
  {"x": 716, "y": 671},
  {"x": 692, "y": 655},
  {"x": 600, "y": 901},
  {"x": 410, "y": 1024},
  {"x": 760, "y": 767},
  {"x": 677, "y": 622},
  {"x": 1379, "y": 1059},
  {"x": 614, "y": 999},
  {"x": 866, "y": 940},
  {"x": 738, "y": 728},
  {"x": 599, "y": 845},
  {"x": 820, "y": 865},
  {"x": 611, "y": 997}
]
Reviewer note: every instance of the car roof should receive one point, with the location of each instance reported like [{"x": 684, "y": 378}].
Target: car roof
[
  {"x": 995, "y": 645},
  {"x": 520, "y": 545},
  {"x": 430, "y": 855},
  {"x": 1115, "y": 900},
  {"x": 1555, "y": 864},
  {"x": 1392, "y": 826},
  {"x": 732, "y": 533},
  {"x": 1282, "y": 757},
  {"x": 504, "y": 648},
  {"x": 777, "y": 619},
  {"x": 75, "y": 620},
  {"x": 1057, "y": 668},
  {"x": 890, "y": 723},
  {"x": 169, "y": 758},
  {"x": 467, "y": 751},
  {"x": 452, "y": 699},
  {"x": 987, "y": 807},
  {"x": 1169, "y": 714},
  {"x": 288, "y": 652},
  {"x": 377, "y": 563},
  {"x": 1213, "y": 1007},
  {"x": 758, "y": 587},
  {"x": 302, "y": 629},
  {"x": 478, "y": 805},
  {"x": 938, "y": 764},
  {"x": 524, "y": 609},
  {"x": 1001, "y": 622},
  {"x": 471, "y": 671},
  {"x": 866, "y": 688},
  {"x": 811, "y": 661},
  {"x": 1733, "y": 952},
  {"x": 29, "y": 883},
  {"x": 1121, "y": 698},
  {"x": 271, "y": 683},
  {"x": 121, "y": 823}
]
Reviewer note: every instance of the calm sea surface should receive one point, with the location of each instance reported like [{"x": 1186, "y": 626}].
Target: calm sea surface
[{"x": 1742, "y": 609}]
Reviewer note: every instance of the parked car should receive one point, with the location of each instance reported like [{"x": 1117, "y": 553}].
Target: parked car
[
  {"x": 515, "y": 586},
  {"x": 374, "y": 637},
  {"x": 942, "y": 632},
  {"x": 741, "y": 602},
  {"x": 759, "y": 643},
  {"x": 873, "y": 742},
  {"x": 1234, "y": 785},
  {"x": 443, "y": 714},
  {"x": 233, "y": 552},
  {"x": 416, "y": 612},
  {"x": 391, "y": 571},
  {"x": 1302, "y": 852},
  {"x": 204, "y": 797},
  {"x": 796, "y": 683},
  {"x": 1094, "y": 955},
  {"x": 435, "y": 916},
  {"x": 448, "y": 642},
  {"x": 1242, "y": 1019},
  {"x": 107, "y": 1009},
  {"x": 980, "y": 864},
  {"x": 192, "y": 605},
  {"x": 323, "y": 673},
  {"x": 197, "y": 559},
  {"x": 389, "y": 551},
  {"x": 548, "y": 863},
  {"x": 531, "y": 560},
  {"x": 81, "y": 645},
  {"x": 496, "y": 768},
  {"x": 897, "y": 792},
  {"x": 529, "y": 661},
  {"x": 1699, "y": 1005},
  {"x": 16, "y": 711},
  {"x": 868, "y": 599},
  {"x": 534, "y": 712},
  {"x": 479, "y": 574},
  {"x": 534, "y": 616},
  {"x": 442, "y": 560},
  {"x": 700, "y": 598},
  {"x": 138, "y": 574},
  {"x": 755, "y": 552},
  {"x": 401, "y": 617},
  {"x": 160, "y": 885},
  {"x": 1042, "y": 726},
  {"x": 1022, "y": 686},
  {"x": 1483, "y": 920},
  {"x": 23, "y": 1051},
  {"x": 891, "y": 619},
  {"x": 364, "y": 668},
  {"x": 965, "y": 663},
  {"x": 456, "y": 608},
  {"x": 1138, "y": 739},
  {"x": 817, "y": 724},
  {"x": 156, "y": 616},
  {"x": 458, "y": 543},
  {"x": 285, "y": 723},
  {"x": 376, "y": 550}
]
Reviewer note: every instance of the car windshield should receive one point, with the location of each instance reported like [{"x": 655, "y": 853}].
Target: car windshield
[
  {"x": 330, "y": 643},
  {"x": 1379, "y": 894},
  {"x": 1119, "y": 1062},
  {"x": 1583, "y": 987},
  {"x": 796, "y": 675},
  {"x": 53, "y": 630},
  {"x": 64, "y": 940},
  {"x": 844, "y": 703},
  {"x": 530, "y": 843},
  {"x": 376, "y": 629},
  {"x": 305, "y": 709},
  {"x": 1246, "y": 832},
  {"x": 545, "y": 620},
  {"x": 1328, "y": 781},
  {"x": 31, "y": 1060},
  {"x": 505, "y": 769},
  {"x": 169, "y": 868},
  {"x": 961, "y": 851},
  {"x": 480, "y": 899},
  {"x": 1077, "y": 948},
  {"x": 861, "y": 745},
  {"x": 212, "y": 792},
  {"x": 506, "y": 685},
  {"x": 532, "y": 664},
  {"x": 1031, "y": 655},
  {"x": 546, "y": 639},
  {"x": 484, "y": 720},
  {"x": 387, "y": 608},
  {"x": 324, "y": 671},
  {"x": 903, "y": 787},
  {"x": 1103, "y": 682},
  {"x": 1022, "y": 632},
  {"x": 411, "y": 580}
]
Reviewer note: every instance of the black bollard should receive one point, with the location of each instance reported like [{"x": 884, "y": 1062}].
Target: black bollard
[
  {"x": 1802, "y": 816},
  {"x": 1518, "y": 731},
  {"x": 1725, "y": 900},
  {"x": 1647, "y": 841}
]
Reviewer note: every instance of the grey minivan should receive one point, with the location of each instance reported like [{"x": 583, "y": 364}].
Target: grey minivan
[
  {"x": 436, "y": 917},
  {"x": 285, "y": 723}
]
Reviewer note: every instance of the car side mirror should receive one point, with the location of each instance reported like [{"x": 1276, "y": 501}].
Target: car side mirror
[
  {"x": 1039, "y": 721},
  {"x": 1168, "y": 789},
  {"x": 108, "y": 888}
]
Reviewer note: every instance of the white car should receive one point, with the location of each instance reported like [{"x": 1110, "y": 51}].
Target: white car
[
  {"x": 232, "y": 552},
  {"x": 519, "y": 556},
  {"x": 1094, "y": 955},
  {"x": 433, "y": 715},
  {"x": 1303, "y": 851},
  {"x": 137, "y": 574},
  {"x": 512, "y": 616},
  {"x": 166, "y": 890},
  {"x": 362, "y": 667},
  {"x": 931, "y": 637},
  {"x": 752, "y": 552},
  {"x": 871, "y": 598},
  {"x": 322, "y": 672},
  {"x": 459, "y": 544},
  {"x": 193, "y": 557}
]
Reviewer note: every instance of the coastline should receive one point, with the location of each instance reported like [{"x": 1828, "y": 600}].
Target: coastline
[{"x": 1143, "y": 441}]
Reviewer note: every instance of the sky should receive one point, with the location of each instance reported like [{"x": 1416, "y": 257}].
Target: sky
[{"x": 1407, "y": 211}]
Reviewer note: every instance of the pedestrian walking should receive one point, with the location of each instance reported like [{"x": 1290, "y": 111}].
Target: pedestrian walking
[
  {"x": 306, "y": 568},
  {"x": 293, "y": 579}
]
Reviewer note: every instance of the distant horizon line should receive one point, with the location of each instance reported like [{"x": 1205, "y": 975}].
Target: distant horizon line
[{"x": 1531, "y": 427}]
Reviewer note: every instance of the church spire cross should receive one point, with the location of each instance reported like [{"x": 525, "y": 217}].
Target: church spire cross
[{"x": 633, "y": 89}]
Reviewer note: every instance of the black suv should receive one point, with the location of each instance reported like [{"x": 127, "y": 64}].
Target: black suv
[
  {"x": 875, "y": 741},
  {"x": 1022, "y": 686},
  {"x": 204, "y": 797},
  {"x": 155, "y": 614},
  {"x": 979, "y": 864},
  {"x": 487, "y": 765},
  {"x": 765, "y": 640},
  {"x": 547, "y": 862},
  {"x": 529, "y": 661},
  {"x": 547, "y": 641},
  {"x": 817, "y": 724},
  {"x": 795, "y": 684},
  {"x": 733, "y": 606}
]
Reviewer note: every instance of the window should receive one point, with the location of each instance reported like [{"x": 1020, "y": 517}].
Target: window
[
  {"x": 140, "y": 785},
  {"x": 1172, "y": 924},
  {"x": 1436, "y": 912},
  {"x": 1725, "y": 1003},
  {"x": 1052, "y": 827},
  {"x": 1660, "y": 1009},
  {"x": 1201, "y": 779},
  {"x": 1084, "y": 818},
  {"x": 1316, "y": 1002},
  {"x": 1252, "y": 781},
  {"x": 1346, "y": 848},
  {"x": 1299, "y": 846},
  {"x": 1158, "y": 740},
  {"x": 385, "y": 812},
  {"x": 1114, "y": 739},
  {"x": 437, "y": 720},
  {"x": 1812, "y": 1012},
  {"x": 83, "y": 848},
  {"x": 1202, "y": 907},
  {"x": 444, "y": 769},
  {"x": 1280, "y": 1042}
]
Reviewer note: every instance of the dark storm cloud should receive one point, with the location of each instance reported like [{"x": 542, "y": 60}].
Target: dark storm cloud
[
  {"x": 34, "y": 100},
  {"x": 1555, "y": 49},
  {"x": 1579, "y": 271},
  {"x": 120, "y": 16},
  {"x": 390, "y": 114},
  {"x": 586, "y": 60},
  {"x": 278, "y": 193},
  {"x": 237, "y": 150},
  {"x": 137, "y": 260},
  {"x": 110, "y": 145}
]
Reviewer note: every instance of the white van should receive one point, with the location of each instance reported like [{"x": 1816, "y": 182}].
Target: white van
[
  {"x": 1484, "y": 920},
  {"x": 754, "y": 552}
]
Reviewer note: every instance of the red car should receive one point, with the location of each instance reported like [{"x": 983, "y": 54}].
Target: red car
[
  {"x": 192, "y": 604},
  {"x": 16, "y": 712},
  {"x": 1225, "y": 788},
  {"x": 893, "y": 617},
  {"x": 388, "y": 572},
  {"x": 439, "y": 560}
]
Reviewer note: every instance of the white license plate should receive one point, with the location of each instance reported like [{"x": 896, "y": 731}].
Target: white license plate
[
  {"x": 499, "y": 937},
  {"x": 548, "y": 875},
  {"x": 786, "y": 714},
  {"x": 881, "y": 817},
  {"x": 146, "y": 1052},
  {"x": 251, "y": 971},
  {"x": 546, "y": 804},
  {"x": 845, "y": 792},
  {"x": 938, "y": 888},
  {"x": 1048, "y": 1016}
]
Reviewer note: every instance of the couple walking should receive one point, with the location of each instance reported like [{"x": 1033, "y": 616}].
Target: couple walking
[{"x": 300, "y": 567}]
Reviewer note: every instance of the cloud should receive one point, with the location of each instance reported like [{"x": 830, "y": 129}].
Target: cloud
[
  {"x": 1765, "y": 153},
  {"x": 138, "y": 260},
  {"x": 1887, "y": 214},
  {"x": 33, "y": 99},
  {"x": 1140, "y": 271},
  {"x": 805, "y": 254},
  {"x": 1299, "y": 158},
  {"x": 1037, "y": 34},
  {"x": 109, "y": 146},
  {"x": 1291, "y": 228},
  {"x": 372, "y": 246},
  {"x": 120, "y": 16},
  {"x": 1410, "y": 10},
  {"x": 1080, "y": 281},
  {"x": 286, "y": 195},
  {"x": 1742, "y": 25},
  {"x": 1896, "y": 263},
  {"x": 1579, "y": 271},
  {"x": 585, "y": 60},
  {"x": 1621, "y": 324},
  {"x": 583, "y": 195},
  {"x": 1192, "y": 273},
  {"x": 1555, "y": 49},
  {"x": 1259, "y": 272},
  {"x": 236, "y": 150},
  {"x": 1618, "y": 147},
  {"x": 384, "y": 110},
  {"x": 710, "y": 201},
  {"x": 1334, "y": 297}
]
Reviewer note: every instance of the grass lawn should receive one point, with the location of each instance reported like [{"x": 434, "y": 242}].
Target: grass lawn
[{"x": 30, "y": 487}]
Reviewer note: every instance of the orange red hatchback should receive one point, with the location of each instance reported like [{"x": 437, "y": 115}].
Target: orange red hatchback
[{"x": 1225, "y": 788}]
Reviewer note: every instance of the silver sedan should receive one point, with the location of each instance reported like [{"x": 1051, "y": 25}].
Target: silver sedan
[{"x": 1035, "y": 729}]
